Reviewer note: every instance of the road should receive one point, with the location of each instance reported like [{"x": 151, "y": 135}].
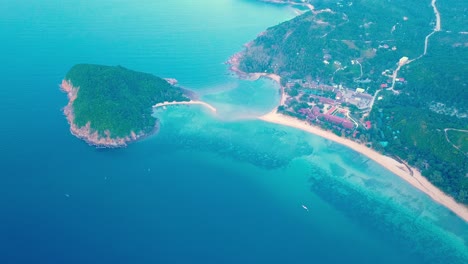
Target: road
[
  {"x": 450, "y": 142},
  {"x": 437, "y": 27}
]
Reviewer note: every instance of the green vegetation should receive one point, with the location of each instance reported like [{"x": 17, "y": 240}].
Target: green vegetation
[
  {"x": 117, "y": 99},
  {"x": 440, "y": 76},
  {"x": 419, "y": 138},
  {"x": 365, "y": 31},
  {"x": 455, "y": 21},
  {"x": 459, "y": 139},
  {"x": 329, "y": 46}
]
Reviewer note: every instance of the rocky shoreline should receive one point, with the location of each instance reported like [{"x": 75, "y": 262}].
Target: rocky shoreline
[
  {"x": 86, "y": 133},
  {"x": 234, "y": 62}
]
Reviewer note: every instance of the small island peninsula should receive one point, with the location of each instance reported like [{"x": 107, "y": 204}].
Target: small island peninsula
[{"x": 110, "y": 106}]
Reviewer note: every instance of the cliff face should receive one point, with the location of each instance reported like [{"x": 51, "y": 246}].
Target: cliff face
[{"x": 86, "y": 133}]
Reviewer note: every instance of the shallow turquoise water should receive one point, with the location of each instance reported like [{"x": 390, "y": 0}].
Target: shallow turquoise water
[{"x": 207, "y": 188}]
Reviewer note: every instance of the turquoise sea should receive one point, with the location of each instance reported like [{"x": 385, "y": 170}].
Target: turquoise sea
[{"x": 222, "y": 188}]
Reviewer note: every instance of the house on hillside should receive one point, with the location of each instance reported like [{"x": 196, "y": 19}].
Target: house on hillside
[{"x": 368, "y": 125}]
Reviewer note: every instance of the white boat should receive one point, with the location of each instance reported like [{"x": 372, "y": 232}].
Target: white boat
[{"x": 305, "y": 208}]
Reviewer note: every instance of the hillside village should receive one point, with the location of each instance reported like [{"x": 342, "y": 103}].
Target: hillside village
[
  {"x": 334, "y": 107},
  {"x": 394, "y": 81}
]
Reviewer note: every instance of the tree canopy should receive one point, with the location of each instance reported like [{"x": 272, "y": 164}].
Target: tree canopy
[{"x": 118, "y": 100}]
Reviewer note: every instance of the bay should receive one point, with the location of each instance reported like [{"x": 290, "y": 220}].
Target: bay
[{"x": 207, "y": 188}]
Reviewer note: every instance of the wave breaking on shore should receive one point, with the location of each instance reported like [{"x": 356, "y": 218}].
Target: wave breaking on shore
[
  {"x": 412, "y": 175},
  {"x": 409, "y": 174}
]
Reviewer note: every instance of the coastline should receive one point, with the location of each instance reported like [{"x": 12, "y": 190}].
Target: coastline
[
  {"x": 404, "y": 171},
  {"x": 93, "y": 138},
  {"x": 86, "y": 133},
  {"x": 413, "y": 176},
  {"x": 191, "y": 102},
  {"x": 291, "y": 3},
  {"x": 234, "y": 61}
]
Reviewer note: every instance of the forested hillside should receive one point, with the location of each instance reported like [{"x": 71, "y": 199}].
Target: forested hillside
[
  {"x": 117, "y": 99},
  {"x": 386, "y": 48}
]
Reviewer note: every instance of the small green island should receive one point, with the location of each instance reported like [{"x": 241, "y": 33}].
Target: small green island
[{"x": 110, "y": 106}]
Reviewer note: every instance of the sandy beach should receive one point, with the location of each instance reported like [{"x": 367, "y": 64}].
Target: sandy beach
[
  {"x": 417, "y": 180},
  {"x": 234, "y": 62},
  {"x": 212, "y": 108},
  {"x": 413, "y": 177}
]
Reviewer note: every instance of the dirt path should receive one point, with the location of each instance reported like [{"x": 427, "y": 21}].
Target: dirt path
[
  {"x": 450, "y": 142},
  {"x": 438, "y": 27}
]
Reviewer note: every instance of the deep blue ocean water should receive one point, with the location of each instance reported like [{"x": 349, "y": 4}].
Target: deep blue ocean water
[{"x": 207, "y": 188}]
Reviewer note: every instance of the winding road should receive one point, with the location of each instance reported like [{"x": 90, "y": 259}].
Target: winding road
[
  {"x": 450, "y": 142},
  {"x": 437, "y": 27}
]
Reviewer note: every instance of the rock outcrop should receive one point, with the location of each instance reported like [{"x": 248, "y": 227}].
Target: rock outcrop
[{"x": 85, "y": 132}]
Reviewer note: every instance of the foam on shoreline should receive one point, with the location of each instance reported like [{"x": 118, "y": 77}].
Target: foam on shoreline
[
  {"x": 409, "y": 174},
  {"x": 413, "y": 177},
  {"x": 191, "y": 102}
]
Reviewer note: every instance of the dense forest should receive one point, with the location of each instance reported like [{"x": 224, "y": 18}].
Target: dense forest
[
  {"x": 417, "y": 136},
  {"x": 440, "y": 76},
  {"x": 116, "y": 99},
  {"x": 359, "y": 45},
  {"x": 333, "y": 45}
]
